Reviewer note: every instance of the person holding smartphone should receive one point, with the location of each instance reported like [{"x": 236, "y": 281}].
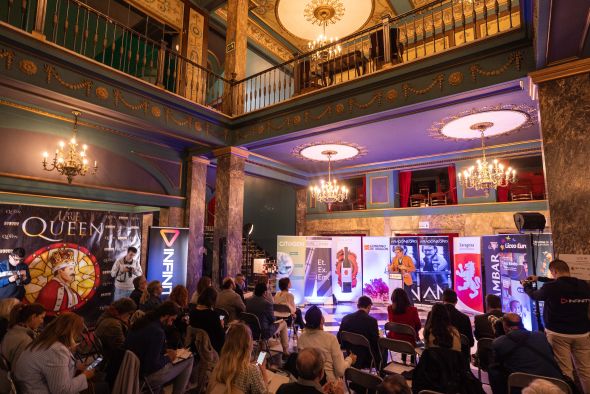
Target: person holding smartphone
[{"x": 206, "y": 318}]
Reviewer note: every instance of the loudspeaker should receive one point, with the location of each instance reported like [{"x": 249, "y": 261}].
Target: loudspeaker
[{"x": 529, "y": 221}]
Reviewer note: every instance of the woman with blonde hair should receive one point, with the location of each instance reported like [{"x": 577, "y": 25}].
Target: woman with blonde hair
[
  {"x": 47, "y": 365},
  {"x": 150, "y": 299},
  {"x": 234, "y": 372}
]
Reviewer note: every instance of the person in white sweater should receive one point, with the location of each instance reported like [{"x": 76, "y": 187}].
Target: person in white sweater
[
  {"x": 314, "y": 336},
  {"x": 47, "y": 365},
  {"x": 284, "y": 297}
]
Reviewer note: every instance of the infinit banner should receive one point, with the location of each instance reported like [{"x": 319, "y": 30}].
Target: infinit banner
[
  {"x": 467, "y": 274},
  {"x": 167, "y": 256},
  {"x": 70, "y": 253}
]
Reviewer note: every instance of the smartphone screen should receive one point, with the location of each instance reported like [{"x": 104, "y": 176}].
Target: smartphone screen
[
  {"x": 261, "y": 357},
  {"x": 221, "y": 317},
  {"x": 94, "y": 363}
]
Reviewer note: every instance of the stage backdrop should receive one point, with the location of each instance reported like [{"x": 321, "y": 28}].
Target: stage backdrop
[
  {"x": 167, "y": 256},
  {"x": 347, "y": 268},
  {"x": 317, "y": 287},
  {"x": 467, "y": 274},
  {"x": 291, "y": 263},
  {"x": 435, "y": 268},
  {"x": 409, "y": 246},
  {"x": 376, "y": 259},
  {"x": 92, "y": 240}
]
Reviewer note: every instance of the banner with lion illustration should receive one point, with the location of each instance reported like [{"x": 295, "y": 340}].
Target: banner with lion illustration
[{"x": 70, "y": 253}]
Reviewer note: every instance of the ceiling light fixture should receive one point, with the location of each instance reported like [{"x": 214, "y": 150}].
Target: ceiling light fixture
[
  {"x": 485, "y": 176},
  {"x": 321, "y": 13},
  {"x": 68, "y": 160},
  {"x": 329, "y": 192}
]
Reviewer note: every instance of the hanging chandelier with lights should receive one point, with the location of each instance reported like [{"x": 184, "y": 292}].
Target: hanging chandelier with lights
[
  {"x": 322, "y": 12},
  {"x": 69, "y": 160},
  {"x": 329, "y": 192},
  {"x": 484, "y": 175}
]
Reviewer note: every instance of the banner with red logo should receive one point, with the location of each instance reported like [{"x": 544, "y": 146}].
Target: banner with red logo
[
  {"x": 347, "y": 268},
  {"x": 69, "y": 253},
  {"x": 167, "y": 256},
  {"x": 467, "y": 274},
  {"x": 376, "y": 259}
]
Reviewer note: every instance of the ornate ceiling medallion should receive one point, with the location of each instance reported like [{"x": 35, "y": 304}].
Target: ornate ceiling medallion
[
  {"x": 339, "y": 151},
  {"x": 323, "y": 12},
  {"x": 503, "y": 119}
]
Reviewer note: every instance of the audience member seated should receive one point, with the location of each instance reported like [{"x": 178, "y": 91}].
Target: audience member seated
[
  {"x": 234, "y": 373},
  {"x": 147, "y": 340},
  {"x": 394, "y": 384},
  {"x": 439, "y": 332},
  {"x": 314, "y": 337},
  {"x": 112, "y": 326},
  {"x": 484, "y": 327},
  {"x": 6, "y": 306},
  {"x": 150, "y": 299},
  {"x": 520, "y": 351},
  {"x": 311, "y": 367},
  {"x": 459, "y": 320},
  {"x": 283, "y": 297},
  {"x": 47, "y": 364},
  {"x": 541, "y": 386},
  {"x": 25, "y": 320},
  {"x": 207, "y": 319},
  {"x": 360, "y": 322},
  {"x": 176, "y": 332},
  {"x": 401, "y": 311},
  {"x": 139, "y": 286},
  {"x": 260, "y": 306},
  {"x": 229, "y": 300},
  {"x": 268, "y": 293},
  {"x": 240, "y": 285},
  {"x": 202, "y": 284}
]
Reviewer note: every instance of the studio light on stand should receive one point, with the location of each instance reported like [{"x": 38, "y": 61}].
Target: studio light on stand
[{"x": 248, "y": 229}]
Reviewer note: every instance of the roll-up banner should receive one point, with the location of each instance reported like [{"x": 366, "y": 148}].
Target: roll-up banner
[
  {"x": 543, "y": 249},
  {"x": 70, "y": 253},
  {"x": 291, "y": 263},
  {"x": 376, "y": 259},
  {"x": 467, "y": 274},
  {"x": 435, "y": 268},
  {"x": 318, "y": 270},
  {"x": 167, "y": 256},
  {"x": 409, "y": 249},
  {"x": 347, "y": 268}
]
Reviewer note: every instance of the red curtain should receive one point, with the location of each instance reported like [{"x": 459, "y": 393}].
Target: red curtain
[
  {"x": 502, "y": 193},
  {"x": 405, "y": 184},
  {"x": 452, "y": 184}
]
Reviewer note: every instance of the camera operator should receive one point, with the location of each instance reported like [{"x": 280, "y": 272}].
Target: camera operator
[
  {"x": 566, "y": 318},
  {"x": 16, "y": 275},
  {"x": 124, "y": 271}
]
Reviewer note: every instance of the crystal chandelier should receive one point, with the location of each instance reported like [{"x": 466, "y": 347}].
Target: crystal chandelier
[
  {"x": 329, "y": 192},
  {"x": 322, "y": 12},
  {"x": 485, "y": 176},
  {"x": 69, "y": 160}
]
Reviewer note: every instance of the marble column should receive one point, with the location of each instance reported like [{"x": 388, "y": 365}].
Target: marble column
[
  {"x": 229, "y": 211},
  {"x": 171, "y": 217},
  {"x": 564, "y": 102},
  {"x": 196, "y": 186},
  {"x": 300, "y": 210},
  {"x": 236, "y": 47}
]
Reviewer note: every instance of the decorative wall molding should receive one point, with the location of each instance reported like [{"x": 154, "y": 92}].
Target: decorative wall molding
[
  {"x": 7, "y": 54},
  {"x": 51, "y": 72},
  {"x": 438, "y": 80},
  {"x": 514, "y": 58}
]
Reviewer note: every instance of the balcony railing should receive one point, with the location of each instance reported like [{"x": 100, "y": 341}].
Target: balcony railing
[{"x": 423, "y": 32}]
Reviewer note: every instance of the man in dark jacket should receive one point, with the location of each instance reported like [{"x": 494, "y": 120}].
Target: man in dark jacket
[
  {"x": 483, "y": 323},
  {"x": 361, "y": 323},
  {"x": 14, "y": 275},
  {"x": 520, "y": 351},
  {"x": 459, "y": 320},
  {"x": 310, "y": 366},
  {"x": 566, "y": 319},
  {"x": 258, "y": 305}
]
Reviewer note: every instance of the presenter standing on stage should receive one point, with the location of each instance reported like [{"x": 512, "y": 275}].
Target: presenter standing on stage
[
  {"x": 404, "y": 265},
  {"x": 124, "y": 271},
  {"x": 14, "y": 275}
]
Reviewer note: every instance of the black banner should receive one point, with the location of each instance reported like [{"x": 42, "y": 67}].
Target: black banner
[
  {"x": 167, "y": 256},
  {"x": 70, "y": 253}
]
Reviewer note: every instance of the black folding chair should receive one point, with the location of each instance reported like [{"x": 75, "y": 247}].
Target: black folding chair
[
  {"x": 351, "y": 338},
  {"x": 395, "y": 346},
  {"x": 284, "y": 310},
  {"x": 224, "y": 313},
  {"x": 484, "y": 354},
  {"x": 405, "y": 329},
  {"x": 359, "y": 379},
  {"x": 252, "y": 321},
  {"x": 520, "y": 380}
]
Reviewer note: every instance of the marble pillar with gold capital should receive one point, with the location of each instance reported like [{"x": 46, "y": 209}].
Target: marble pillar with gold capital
[
  {"x": 564, "y": 102},
  {"x": 236, "y": 47},
  {"x": 229, "y": 212},
  {"x": 196, "y": 189}
]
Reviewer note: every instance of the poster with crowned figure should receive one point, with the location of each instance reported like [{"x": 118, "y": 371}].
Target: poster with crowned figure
[
  {"x": 467, "y": 274},
  {"x": 69, "y": 253}
]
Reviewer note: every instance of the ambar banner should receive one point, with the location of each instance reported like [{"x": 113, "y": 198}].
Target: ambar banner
[
  {"x": 70, "y": 253},
  {"x": 467, "y": 274},
  {"x": 167, "y": 256}
]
